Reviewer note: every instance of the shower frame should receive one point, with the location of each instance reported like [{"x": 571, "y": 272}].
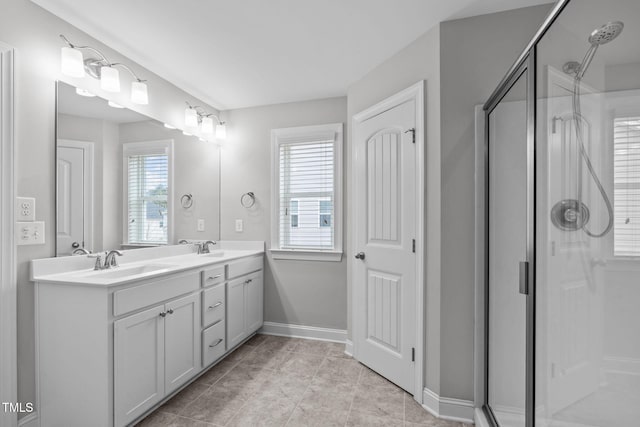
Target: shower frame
[{"x": 525, "y": 64}]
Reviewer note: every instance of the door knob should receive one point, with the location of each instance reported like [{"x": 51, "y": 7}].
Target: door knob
[
  {"x": 75, "y": 245},
  {"x": 360, "y": 255}
]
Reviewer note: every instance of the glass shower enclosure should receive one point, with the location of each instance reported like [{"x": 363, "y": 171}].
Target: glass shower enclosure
[{"x": 562, "y": 224}]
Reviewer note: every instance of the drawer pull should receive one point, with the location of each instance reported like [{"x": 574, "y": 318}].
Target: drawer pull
[
  {"x": 216, "y": 343},
  {"x": 219, "y": 303},
  {"x": 214, "y": 277}
]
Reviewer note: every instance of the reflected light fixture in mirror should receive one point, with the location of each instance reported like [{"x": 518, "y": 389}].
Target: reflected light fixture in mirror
[
  {"x": 84, "y": 92},
  {"x": 74, "y": 64},
  {"x": 195, "y": 115}
]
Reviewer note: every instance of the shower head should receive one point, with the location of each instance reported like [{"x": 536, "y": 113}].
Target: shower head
[{"x": 606, "y": 33}]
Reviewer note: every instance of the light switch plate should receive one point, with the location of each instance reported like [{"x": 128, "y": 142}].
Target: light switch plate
[
  {"x": 25, "y": 209},
  {"x": 30, "y": 233},
  {"x": 239, "y": 225},
  {"x": 201, "y": 225}
]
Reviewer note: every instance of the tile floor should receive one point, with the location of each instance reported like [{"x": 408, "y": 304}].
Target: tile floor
[{"x": 278, "y": 381}]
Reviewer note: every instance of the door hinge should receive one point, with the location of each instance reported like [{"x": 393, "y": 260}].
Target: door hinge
[
  {"x": 413, "y": 134},
  {"x": 413, "y": 354},
  {"x": 413, "y": 246}
]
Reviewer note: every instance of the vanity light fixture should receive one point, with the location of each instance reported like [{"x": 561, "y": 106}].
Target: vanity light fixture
[
  {"x": 195, "y": 115},
  {"x": 73, "y": 64},
  {"x": 114, "y": 105},
  {"x": 168, "y": 126}
]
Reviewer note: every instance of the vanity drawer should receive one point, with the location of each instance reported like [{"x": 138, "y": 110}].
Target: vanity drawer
[
  {"x": 213, "y": 306},
  {"x": 244, "y": 266},
  {"x": 153, "y": 292},
  {"x": 213, "y": 276},
  {"x": 213, "y": 343}
]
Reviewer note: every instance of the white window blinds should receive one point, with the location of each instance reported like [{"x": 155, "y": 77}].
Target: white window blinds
[
  {"x": 307, "y": 193},
  {"x": 626, "y": 181},
  {"x": 147, "y": 181}
]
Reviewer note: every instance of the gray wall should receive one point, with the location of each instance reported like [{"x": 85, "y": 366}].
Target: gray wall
[
  {"x": 462, "y": 62},
  {"x": 33, "y": 32},
  {"x": 475, "y": 54},
  {"x": 311, "y": 293}
]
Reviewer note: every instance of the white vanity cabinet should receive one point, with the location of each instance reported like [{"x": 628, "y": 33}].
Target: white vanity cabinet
[
  {"x": 245, "y": 300},
  {"x": 155, "y": 352},
  {"x": 109, "y": 353}
]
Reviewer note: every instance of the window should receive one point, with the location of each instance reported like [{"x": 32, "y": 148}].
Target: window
[
  {"x": 147, "y": 177},
  {"x": 626, "y": 186},
  {"x": 307, "y": 191}
]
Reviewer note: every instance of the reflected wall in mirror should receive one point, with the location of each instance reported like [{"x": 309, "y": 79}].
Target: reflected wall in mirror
[{"x": 121, "y": 176}]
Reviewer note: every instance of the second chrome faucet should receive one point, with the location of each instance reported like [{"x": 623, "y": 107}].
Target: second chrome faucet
[{"x": 110, "y": 260}]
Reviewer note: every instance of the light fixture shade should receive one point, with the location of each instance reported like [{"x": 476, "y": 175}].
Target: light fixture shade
[
  {"x": 109, "y": 79},
  {"x": 114, "y": 104},
  {"x": 139, "y": 93},
  {"x": 207, "y": 125},
  {"x": 185, "y": 133},
  {"x": 190, "y": 117},
  {"x": 72, "y": 62},
  {"x": 168, "y": 126},
  {"x": 221, "y": 132}
]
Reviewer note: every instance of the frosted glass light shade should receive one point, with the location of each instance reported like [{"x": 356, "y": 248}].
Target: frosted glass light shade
[
  {"x": 109, "y": 79},
  {"x": 207, "y": 125},
  {"x": 221, "y": 132},
  {"x": 139, "y": 93},
  {"x": 114, "y": 104},
  {"x": 72, "y": 62},
  {"x": 190, "y": 118},
  {"x": 84, "y": 92}
]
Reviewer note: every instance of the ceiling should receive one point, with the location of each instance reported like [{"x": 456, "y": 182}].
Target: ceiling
[{"x": 242, "y": 53}]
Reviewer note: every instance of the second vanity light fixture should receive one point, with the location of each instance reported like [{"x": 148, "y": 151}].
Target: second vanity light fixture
[
  {"x": 194, "y": 115},
  {"x": 73, "y": 64}
]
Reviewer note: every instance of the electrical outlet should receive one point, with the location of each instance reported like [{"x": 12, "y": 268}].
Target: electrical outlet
[
  {"x": 201, "y": 225},
  {"x": 30, "y": 233},
  {"x": 239, "y": 225},
  {"x": 25, "y": 209}
]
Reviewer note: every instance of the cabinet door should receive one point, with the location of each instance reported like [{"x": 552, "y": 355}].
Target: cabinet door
[
  {"x": 138, "y": 364},
  {"x": 236, "y": 326},
  {"x": 254, "y": 301},
  {"x": 182, "y": 340}
]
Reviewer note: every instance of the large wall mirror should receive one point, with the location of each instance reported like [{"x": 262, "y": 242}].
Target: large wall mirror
[{"x": 124, "y": 180}]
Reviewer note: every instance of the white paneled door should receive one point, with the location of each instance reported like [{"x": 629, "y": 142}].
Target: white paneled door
[{"x": 385, "y": 265}]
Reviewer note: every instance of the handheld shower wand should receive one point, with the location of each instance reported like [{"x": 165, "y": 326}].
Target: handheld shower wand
[{"x": 598, "y": 37}]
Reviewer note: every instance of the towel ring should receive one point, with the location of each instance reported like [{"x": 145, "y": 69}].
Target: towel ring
[
  {"x": 247, "y": 200},
  {"x": 186, "y": 200}
]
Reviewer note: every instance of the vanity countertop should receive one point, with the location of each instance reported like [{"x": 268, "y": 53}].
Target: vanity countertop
[{"x": 138, "y": 264}]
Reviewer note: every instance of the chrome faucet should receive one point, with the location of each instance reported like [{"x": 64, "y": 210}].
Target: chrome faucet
[
  {"x": 80, "y": 251},
  {"x": 111, "y": 260},
  {"x": 203, "y": 248}
]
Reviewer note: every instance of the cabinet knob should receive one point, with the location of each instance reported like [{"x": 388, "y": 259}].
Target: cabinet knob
[
  {"x": 216, "y": 343},
  {"x": 170, "y": 311},
  {"x": 164, "y": 313}
]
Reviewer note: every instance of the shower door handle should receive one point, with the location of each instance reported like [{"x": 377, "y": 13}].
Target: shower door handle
[{"x": 524, "y": 277}]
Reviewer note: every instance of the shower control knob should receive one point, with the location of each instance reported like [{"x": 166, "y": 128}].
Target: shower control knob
[{"x": 360, "y": 255}]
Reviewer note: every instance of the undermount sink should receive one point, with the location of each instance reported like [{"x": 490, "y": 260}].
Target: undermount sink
[
  {"x": 215, "y": 254},
  {"x": 129, "y": 271}
]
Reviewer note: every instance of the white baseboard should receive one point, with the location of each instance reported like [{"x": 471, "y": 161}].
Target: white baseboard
[
  {"x": 348, "y": 348},
  {"x": 30, "y": 420},
  {"x": 622, "y": 365},
  {"x": 300, "y": 331},
  {"x": 448, "y": 408},
  {"x": 480, "y": 418}
]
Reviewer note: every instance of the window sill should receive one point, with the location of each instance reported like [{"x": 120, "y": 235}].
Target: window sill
[{"x": 306, "y": 255}]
